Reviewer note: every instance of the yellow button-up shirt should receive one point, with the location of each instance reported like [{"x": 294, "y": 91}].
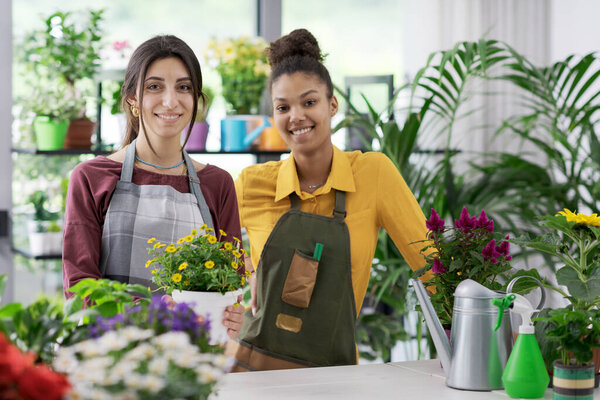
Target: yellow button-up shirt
[{"x": 376, "y": 196}]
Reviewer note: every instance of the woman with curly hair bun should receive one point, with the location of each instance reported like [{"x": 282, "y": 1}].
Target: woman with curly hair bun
[{"x": 313, "y": 221}]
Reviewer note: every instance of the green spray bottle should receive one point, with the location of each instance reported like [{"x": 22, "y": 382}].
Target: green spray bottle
[{"x": 525, "y": 375}]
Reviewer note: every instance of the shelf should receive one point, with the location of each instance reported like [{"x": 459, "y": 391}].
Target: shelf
[
  {"x": 103, "y": 152},
  {"x": 40, "y": 257}
]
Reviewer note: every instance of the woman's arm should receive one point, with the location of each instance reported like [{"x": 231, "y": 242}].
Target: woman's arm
[{"x": 82, "y": 232}]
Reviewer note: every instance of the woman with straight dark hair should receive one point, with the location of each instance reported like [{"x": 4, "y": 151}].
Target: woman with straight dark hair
[
  {"x": 313, "y": 221},
  {"x": 150, "y": 187}
]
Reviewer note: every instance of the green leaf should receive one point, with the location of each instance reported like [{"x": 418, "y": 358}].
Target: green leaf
[
  {"x": 3, "y": 279},
  {"x": 587, "y": 289},
  {"x": 108, "y": 309},
  {"x": 72, "y": 305},
  {"x": 9, "y": 310}
]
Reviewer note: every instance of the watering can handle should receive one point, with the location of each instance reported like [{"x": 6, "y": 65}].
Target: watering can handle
[
  {"x": 257, "y": 131},
  {"x": 512, "y": 283}
]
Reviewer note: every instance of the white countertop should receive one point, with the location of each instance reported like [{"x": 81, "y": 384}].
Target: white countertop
[{"x": 412, "y": 380}]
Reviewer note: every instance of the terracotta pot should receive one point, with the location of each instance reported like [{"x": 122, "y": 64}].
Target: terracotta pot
[{"x": 79, "y": 134}]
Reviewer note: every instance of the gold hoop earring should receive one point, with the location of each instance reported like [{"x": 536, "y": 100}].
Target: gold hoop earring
[{"x": 135, "y": 111}]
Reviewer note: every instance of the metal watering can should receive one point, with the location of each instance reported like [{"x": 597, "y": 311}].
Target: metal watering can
[
  {"x": 475, "y": 356},
  {"x": 234, "y": 135}
]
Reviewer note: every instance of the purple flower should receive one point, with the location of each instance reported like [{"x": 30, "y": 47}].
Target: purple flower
[
  {"x": 435, "y": 223},
  {"x": 484, "y": 222},
  {"x": 490, "y": 253},
  {"x": 465, "y": 223},
  {"x": 438, "y": 267},
  {"x": 504, "y": 249}
]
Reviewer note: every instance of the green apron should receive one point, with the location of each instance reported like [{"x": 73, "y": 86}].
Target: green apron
[{"x": 306, "y": 312}]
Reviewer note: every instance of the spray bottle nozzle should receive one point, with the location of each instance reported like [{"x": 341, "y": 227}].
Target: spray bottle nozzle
[{"x": 502, "y": 305}]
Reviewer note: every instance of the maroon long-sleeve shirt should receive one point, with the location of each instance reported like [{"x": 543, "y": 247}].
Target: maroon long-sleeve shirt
[{"x": 91, "y": 187}]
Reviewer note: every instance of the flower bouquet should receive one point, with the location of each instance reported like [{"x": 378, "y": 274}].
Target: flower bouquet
[
  {"x": 201, "y": 269},
  {"x": 469, "y": 250},
  {"x": 243, "y": 67},
  {"x": 133, "y": 363},
  {"x": 21, "y": 378}
]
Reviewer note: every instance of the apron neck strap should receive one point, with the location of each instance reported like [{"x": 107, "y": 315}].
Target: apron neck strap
[
  {"x": 339, "y": 211},
  {"x": 127, "y": 170},
  {"x": 196, "y": 191}
]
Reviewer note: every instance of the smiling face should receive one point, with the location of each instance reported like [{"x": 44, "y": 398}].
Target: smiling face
[
  {"x": 302, "y": 112},
  {"x": 168, "y": 99}
]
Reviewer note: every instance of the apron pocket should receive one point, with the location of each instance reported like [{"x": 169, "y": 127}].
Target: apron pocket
[{"x": 300, "y": 280}]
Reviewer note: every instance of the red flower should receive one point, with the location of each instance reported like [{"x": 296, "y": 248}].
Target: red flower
[
  {"x": 41, "y": 383},
  {"x": 490, "y": 253},
  {"x": 465, "y": 223},
  {"x": 12, "y": 361},
  {"x": 435, "y": 223},
  {"x": 485, "y": 223},
  {"x": 438, "y": 267}
]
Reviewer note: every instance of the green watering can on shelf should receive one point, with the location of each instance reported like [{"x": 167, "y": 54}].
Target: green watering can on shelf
[{"x": 235, "y": 135}]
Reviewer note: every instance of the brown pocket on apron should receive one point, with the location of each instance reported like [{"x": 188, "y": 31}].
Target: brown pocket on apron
[{"x": 300, "y": 280}]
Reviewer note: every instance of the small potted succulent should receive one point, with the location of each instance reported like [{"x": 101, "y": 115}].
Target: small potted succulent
[
  {"x": 44, "y": 228},
  {"x": 201, "y": 269},
  {"x": 199, "y": 133}
]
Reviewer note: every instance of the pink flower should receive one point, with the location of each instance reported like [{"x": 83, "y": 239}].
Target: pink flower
[
  {"x": 435, "y": 223},
  {"x": 484, "y": 222},
  {"x": 120, "y": 45},
  {"x": 465, "y": 223},
  {"x": 504, "y": 249},
  {"x": 490, "y": 253},
  {"x": 438, "y": 267}
]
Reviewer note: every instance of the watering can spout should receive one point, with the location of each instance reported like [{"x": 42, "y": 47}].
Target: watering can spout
[
  {"x": 254, "y": 133},
  {"x": 440, "y": 339}
]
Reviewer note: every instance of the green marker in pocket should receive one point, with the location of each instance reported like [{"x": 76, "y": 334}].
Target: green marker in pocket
[{"x": 318, "y": 251}]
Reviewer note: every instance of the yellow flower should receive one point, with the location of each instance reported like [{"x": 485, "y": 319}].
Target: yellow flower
[
  {"x": 228, "y": 246},
  {"x": 234, "y": 264},
  {"x": 176, "y": 277},
  {"x": 209, "y": 229},
  {"x": 590, "y": 220},
  {"x": 222, "y": 232},
  {"x": 180, "y": 240},
  {"x": 243, "y": 280},
  {"x": 248, "y": 273},
  {"x": 151, "y": 240},
  {"x": 183, "y": 266},
  {"x": 209, "y": 264},
  {"x": 158, "y": 245},
  {"x": 203, "y": 227},
  {"x": 154, "y": 271},
  {"x": 188, "y": 238},
  {"x": 194, "y": 232},
  {"x": 186, "y": 283},
  {"x": 149, "y": 262},
  {"x": 244, "y": 252},
  {"x": 170, "y": 249},
  {"x": 211, "y": 239},
  {"x": 236, "y": 253},
  {"x": 236, "y": 239}
]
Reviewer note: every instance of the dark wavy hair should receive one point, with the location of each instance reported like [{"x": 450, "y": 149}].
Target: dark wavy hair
[
  {"x": 157, "y": 48},
  {"x": 298, "y": 52}
]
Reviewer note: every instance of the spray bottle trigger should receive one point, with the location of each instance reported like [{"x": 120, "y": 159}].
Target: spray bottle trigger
[{"x": 502, "y": 305}]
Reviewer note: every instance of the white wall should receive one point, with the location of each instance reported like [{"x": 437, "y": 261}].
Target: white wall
[
  {"x": 575, "y": 28},
  {"x": 6, "y": 259}
]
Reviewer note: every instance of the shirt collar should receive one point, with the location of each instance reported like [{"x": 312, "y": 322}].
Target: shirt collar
[{"x": 340, "y": 177}]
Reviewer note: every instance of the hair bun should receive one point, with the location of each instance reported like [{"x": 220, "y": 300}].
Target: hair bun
[{"x": 299, "y": 42}]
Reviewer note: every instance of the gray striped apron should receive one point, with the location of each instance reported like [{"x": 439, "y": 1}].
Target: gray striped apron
[{"x": 138, "y": 212}]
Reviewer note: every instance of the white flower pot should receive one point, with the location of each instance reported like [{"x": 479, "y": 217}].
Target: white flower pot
[
  {"x": 42, "y": 242},
  {"x": 210, "y": 305}
]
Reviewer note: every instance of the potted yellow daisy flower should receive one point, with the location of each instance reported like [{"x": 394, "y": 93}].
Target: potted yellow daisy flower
[{"x": 200, "y": 268}]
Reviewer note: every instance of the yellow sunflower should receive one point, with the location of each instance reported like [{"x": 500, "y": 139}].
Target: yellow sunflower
[
  {"x": 228, "y": 246},
  {"x": 183, "y": 266},
  {"x": 176, "y": 278},
  {"x": 209, "y": 264}
]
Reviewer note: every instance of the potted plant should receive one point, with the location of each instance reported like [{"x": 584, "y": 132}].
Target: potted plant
[
  {"x": 53, "y": 108},
  {"x": 242, "y": 65},
  {"x": 574, "y": 239},
  {"x": 45, "y": 232},
  {"x": 468, "y": 250},
  {"x": 69, "y": 53},
  {"x": 197, "y": 139},
  {"x": 201, "y": 269}
]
